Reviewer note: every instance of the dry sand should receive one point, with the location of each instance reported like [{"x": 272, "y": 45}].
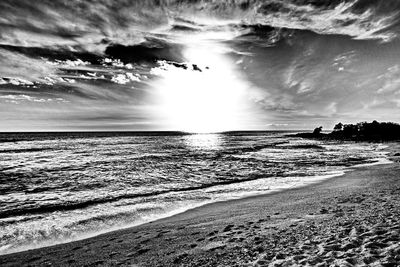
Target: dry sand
[{"x": 352, "y": 220}]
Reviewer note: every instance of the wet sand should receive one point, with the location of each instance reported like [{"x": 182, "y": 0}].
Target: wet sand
[{"x": 351, "y": 220}]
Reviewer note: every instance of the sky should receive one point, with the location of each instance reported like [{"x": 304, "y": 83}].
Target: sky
[{"x": 197, "y": 65}]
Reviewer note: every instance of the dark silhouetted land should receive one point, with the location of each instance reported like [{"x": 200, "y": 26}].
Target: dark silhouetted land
[{"x": 362, "y": 131}]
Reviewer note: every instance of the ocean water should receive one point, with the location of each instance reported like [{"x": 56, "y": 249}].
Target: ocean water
[{"x": 60, "y": 187}]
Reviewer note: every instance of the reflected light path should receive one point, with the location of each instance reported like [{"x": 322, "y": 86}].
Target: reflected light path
[
  {"x": 204, "y": 141},
  {"x": 205, "y": 100}
]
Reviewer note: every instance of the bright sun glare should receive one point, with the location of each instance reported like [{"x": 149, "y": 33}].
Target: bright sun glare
[{"x": 201, "y": 102}]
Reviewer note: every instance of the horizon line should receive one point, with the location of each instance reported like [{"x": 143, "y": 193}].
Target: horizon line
[{"x": 149, "y": 131}]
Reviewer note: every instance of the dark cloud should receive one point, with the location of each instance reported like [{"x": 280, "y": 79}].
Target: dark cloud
[
  {"x": 273, "y": 7},
  {"x": 379, "y": 7},
  {"x": 327, "y": 4},
  {"x": 148, "y": 51},
  {"x": 54, "y": 53}
]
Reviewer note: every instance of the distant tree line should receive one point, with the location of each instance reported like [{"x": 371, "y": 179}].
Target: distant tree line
[{"x": 363, "y": 131}]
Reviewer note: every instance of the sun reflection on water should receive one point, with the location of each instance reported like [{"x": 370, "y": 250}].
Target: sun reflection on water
[{"x": 204, "y": 141}]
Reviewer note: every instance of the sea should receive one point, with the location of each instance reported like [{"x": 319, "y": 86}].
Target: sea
[{"x": 61, "y": 187}]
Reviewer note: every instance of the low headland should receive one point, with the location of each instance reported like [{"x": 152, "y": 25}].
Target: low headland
[{"x": 362, "y": 131}]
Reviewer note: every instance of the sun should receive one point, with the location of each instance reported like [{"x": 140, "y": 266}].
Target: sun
[{"x": 205, "y": 96}]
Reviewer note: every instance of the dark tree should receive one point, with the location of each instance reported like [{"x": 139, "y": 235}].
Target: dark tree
[
  {"x": 350, "y": 130},
  {"x": 338, "y": 127},
  {"x": 318, "y": 130}
]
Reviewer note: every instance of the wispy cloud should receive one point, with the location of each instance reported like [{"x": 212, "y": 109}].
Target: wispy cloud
[
  {"x": 390, "y": 79},
  {"x": 17, "y": 99}
]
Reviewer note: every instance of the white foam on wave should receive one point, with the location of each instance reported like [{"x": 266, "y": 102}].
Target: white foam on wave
[{"x": 216, "y": 193}]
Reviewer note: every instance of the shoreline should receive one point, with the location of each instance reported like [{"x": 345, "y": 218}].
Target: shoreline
[
  {"x": 320, "y": 179},
  {"x": 182, "y": 228},
  {"x": 307, "y": 181}
]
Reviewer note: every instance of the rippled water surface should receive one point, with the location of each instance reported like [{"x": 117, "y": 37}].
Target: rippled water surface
[{"x": 60, "y": 187}]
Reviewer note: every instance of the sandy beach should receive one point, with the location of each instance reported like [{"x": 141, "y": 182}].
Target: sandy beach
[{"x": 351, "y": 220}]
